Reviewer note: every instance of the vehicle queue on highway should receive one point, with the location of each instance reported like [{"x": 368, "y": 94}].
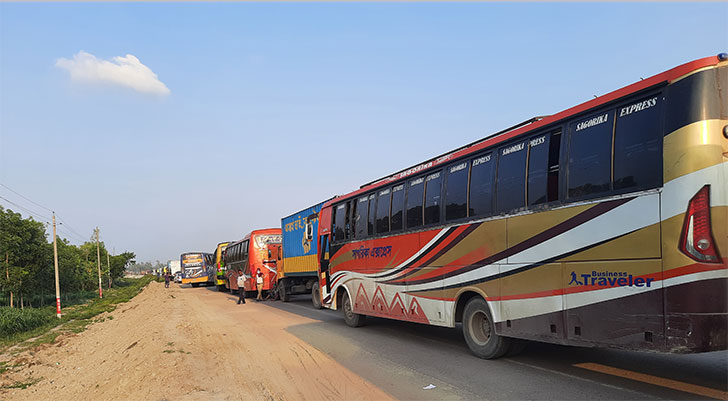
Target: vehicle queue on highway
[{"x": 603, "y": 225}]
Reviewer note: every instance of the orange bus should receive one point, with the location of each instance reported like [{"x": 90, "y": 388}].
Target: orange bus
[{"x": 250, "y": 254}]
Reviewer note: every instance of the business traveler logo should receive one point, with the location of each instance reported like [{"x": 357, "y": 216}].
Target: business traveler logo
[{"x": 609, "y": 279}]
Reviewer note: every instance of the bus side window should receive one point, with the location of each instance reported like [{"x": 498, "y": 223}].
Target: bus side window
[
  {"x": 371, "y": 214},
  {"x": 480, "y": 190},
  {"x": 353, "y": 219},
  {"x": 383, "y": 204},
  {"x": 347, "y": 224},
  {"x": 415, "y": 193},
  {"x": 397, "y": 207},
  {"x": 638, "y": 145},
  {"x": 456, "y": 191},
  {"x": 511, "y": 176},
  {"x": 361, "y": 215},
  {"x": 590, "y": 155},
  {"x": 339, "y": 222},
  {"x": 543, "y": 169},
  {"x": 433, "y": 196}
]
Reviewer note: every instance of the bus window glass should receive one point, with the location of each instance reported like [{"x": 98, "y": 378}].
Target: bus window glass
[
  {"x": 538, "y": 166},
  {"x": 339, "y": 222},
  {"x": 370, "y": 222},
  {"x": 456, "y": 192},
  {"x": 481, "y": 186},
  {"x": 415, "y": 191},
  {"x": 638, "y": 145},
  {"x": 360, "y": 217},
  {"x": 510, "y": 183},
  {"x": 397, "y": 206},
  {"x": 383, "y": 199},
  {"x": 590, "y": 153},
  {"x": 348, "y": 226},
  {"x": 433, "y": 191}
]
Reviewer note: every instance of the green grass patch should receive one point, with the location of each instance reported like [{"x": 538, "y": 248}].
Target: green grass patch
[
  {"x": 15, "y": 320},
  {"x": 18, "y": 325}
]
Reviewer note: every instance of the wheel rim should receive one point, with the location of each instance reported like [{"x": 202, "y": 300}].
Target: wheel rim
[
  {"x": 480, "y": 330},
  {"x": 347, "y": 309}
]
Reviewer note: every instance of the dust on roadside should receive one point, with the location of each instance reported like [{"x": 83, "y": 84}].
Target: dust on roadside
[{"x": 184, "y": 344}]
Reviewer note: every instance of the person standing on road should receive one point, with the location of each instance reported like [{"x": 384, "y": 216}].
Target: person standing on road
[
  {"x": 166, "y": 279},
  {"x": 259, "y": 283},
  {"x": 241, "y": 287}
]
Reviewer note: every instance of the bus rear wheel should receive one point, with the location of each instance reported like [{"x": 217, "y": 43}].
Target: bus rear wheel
[
  {"x": 316, "y": 295},
  {"x": 350, "y": 317},
  {"x": 479, "y": 331}
]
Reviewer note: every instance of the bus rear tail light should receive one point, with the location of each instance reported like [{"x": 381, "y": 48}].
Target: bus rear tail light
[{"x": 696, "y": 240}]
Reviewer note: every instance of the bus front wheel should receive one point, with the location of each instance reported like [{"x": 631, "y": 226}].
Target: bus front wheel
[
  {"x": 350, "y": 317},
  {"x": 479, "y": 331},
  {"x": 316, "y": 295}
]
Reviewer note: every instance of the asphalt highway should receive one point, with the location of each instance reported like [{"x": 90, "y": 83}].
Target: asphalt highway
[{"x": 408, "y": 359}]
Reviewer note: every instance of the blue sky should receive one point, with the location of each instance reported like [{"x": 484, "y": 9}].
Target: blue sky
[{"x": 275, "y": 107}]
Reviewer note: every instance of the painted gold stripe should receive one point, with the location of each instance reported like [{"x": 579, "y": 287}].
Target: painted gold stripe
[
  {"x": 694, "y": 147},
  {"x": 655, "y": 380}
]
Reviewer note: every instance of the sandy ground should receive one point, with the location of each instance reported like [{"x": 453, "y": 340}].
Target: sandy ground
[{"x": 186, "y": 344}]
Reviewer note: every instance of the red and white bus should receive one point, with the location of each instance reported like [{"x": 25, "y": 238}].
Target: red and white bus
[
  {"x": 250, "y": 254},
  {"x": 605, "y": 224}
]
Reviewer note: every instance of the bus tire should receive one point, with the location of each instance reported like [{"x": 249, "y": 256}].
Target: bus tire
[
  {"x": 284, "y": 295},
  {"x": 316, "y": 296},
  {"x": 479, "y": 331},
  {"x": 195, "y": 285},
  {"x": 350, "y": 317}
]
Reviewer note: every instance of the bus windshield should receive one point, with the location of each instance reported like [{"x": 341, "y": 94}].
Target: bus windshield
[{"x": 262, "y": 240}]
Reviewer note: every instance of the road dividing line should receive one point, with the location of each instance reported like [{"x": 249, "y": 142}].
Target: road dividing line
[{"x": 658, "y": 381}]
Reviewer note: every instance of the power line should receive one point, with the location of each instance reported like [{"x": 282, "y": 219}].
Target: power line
[
  {"x": 67, "y": 226},
  {"x": 71, "y": 235},
  {"x": 29, "y": 200},
  {"x": 35, "y": 214}
]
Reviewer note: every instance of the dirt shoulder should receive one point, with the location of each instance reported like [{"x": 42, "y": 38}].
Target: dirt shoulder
[{"x": 184, "y": 344}]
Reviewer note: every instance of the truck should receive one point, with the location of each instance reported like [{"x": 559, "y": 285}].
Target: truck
[
  {"x": 174, "y": 266},
  {"x": 298, "y": 267}
]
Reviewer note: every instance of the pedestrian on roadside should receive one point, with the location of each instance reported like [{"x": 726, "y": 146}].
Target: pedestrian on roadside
[
  {"x": 259, "y": 282},
  {"x": 167, "y": 278},
  {"x": 241, "y": 287}
]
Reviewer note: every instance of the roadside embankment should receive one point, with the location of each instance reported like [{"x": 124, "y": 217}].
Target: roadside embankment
[{"x": 184, "y": 344}]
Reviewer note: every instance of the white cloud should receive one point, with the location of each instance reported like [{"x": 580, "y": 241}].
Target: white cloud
[{"x": 125, "y": 71}]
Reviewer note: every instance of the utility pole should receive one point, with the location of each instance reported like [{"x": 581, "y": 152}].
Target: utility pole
[
  {"x": 98, "y": 261},
  {"x": 108, "y": 266},
  {"x": 55, "y": 262}
]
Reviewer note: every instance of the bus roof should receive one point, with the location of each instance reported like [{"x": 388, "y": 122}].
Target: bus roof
[
  {"x": 255, "y": 232},
  {"x": 538, "y": 122}
]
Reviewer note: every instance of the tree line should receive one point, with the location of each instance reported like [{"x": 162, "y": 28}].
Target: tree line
[{"x": 27, "y": 273}]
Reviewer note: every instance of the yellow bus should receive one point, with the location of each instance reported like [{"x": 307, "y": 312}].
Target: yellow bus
[{"x": 220, "y": 266}]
